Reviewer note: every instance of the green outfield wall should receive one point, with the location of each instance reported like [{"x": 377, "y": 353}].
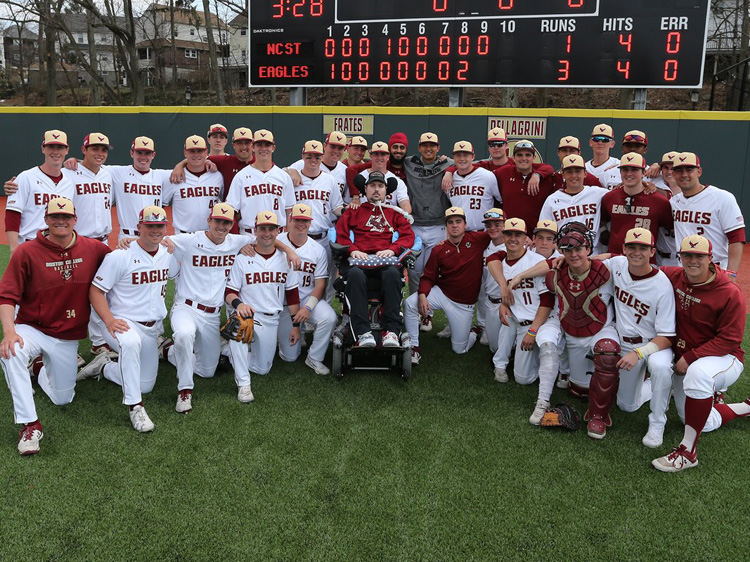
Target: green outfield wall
[{"x": 719, "y": 138}]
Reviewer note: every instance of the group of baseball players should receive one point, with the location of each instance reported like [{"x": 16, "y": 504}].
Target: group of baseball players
[{"x": 570, "y": 276}]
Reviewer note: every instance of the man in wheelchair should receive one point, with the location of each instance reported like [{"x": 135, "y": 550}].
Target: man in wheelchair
[{"x": 372, "y": 253}]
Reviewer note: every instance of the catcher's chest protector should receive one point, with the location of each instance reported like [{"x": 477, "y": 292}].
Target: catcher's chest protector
[{"x": 581, "y": 308}]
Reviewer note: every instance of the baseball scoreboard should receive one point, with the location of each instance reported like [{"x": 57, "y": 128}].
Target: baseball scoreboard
[{"x": 536, "y": 43}]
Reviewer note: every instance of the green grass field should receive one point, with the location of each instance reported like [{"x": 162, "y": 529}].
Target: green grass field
[{"x": 444, "y": 467}]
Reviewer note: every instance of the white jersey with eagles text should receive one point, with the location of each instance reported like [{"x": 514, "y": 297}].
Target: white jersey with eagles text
[
  {"x": 93, "y": 200},
  {"x": 395, "y": 197},
  {"x": 491, "y": 288},
  {"x": 526, "y": 295},
  {"x": 193, "y": 199},
  {"x": 606, "y": 173},
  {"x": 314, "y": 265},
  {"x": 338, "y": 172},
  {"x": 644, "y": 307},
  {"x": 711, "y": 213},
  {"x": 584, "y": 206},
  {"x": 475, "y": 193},
  {"x": 35, "y": 189},
  {"x": 262, "y": 282},
  {"x": 136, "y": 282},
  {"x": 205, "y": 266},
  {"x": 322, "y": 195},
  {"x": 254, "y": 191},
  {"x": 133, "y": 191}
]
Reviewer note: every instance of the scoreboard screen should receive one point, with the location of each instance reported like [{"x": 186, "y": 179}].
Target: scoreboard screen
[{"x": 535, "y": 43}]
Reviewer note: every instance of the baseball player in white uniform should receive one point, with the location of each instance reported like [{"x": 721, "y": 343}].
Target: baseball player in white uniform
[
  {"x": 379, "y": 155},
  {"x": 576, "y": 202},
  {"x": 261, "y": 185},
  {"x": 257, "y": 288},
  {"x": 474, "y": 188},
  {"x": 494, "y": 220},
  {"x": 601, "y": 142},
  {"x": 707, "y": 211},
  {"x": 193, "y": 199},
  {"x": 25, "y": 209},
  {"x": 128, "y": 295},
  {"x": 333, "y": 149},
  {"x": 312, "y": 277}
]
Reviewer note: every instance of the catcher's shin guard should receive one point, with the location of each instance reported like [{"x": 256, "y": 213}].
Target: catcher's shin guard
[{"x": 603, "y": 389}]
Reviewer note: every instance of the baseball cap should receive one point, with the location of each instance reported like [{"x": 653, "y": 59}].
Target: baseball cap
[
  {"x": 515, "y": 225},
  {"x": 301, "y": 211},
  {"x": 312, "y": 147},
  {"x": 142, "y": 143},
  {"x": 242, "y": 134},
  {"x": 454, "y": 211},
  {"x": 358, "y": 141},
  {"x": 55, "y": 137},
  {"x": 463, "y": 146},
  {"x": 603, "y": 130},
  {"x": 493, "y": 214},
  {"x": 375, "y": 176},
  {"x": 569, "y": 142},
  {"x": 696, "y": 244},
  {"x": 93, "y": 139},
  {"x": 217, "y": 128},
  {"x": 635, "y": 136},
  {"x": 685, "y": 159},
  {"x": 266, "y": 217},
  {"x": 379, "y": 146},
  {"x": 496, "y": 134},
  {"x": 632, "y": 160},
  {"x": 399, "y": 138},
  {"x": 194, "y": 141},
  {"x": 550, "y": 226},
  {"x": 573, "y": 161},
  {"x": 337, "y": 138},
  {"x": 60, "y": 206},
  {"x": 524, "y": 145},
  {"x": 428, "y": 137},
  {"x": 263, "y": 135},
  {"x": 669, "y": 157},
  {"x": 152, "y": 215},
  {"x": 222, "y": 211},
  {"x": 639, "y": 236}
]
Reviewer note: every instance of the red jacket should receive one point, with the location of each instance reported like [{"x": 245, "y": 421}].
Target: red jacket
[
  {"x": 50, "y": 285},
  {"x": 373, "y": 228},
  {"x": 517, "y": 203}
]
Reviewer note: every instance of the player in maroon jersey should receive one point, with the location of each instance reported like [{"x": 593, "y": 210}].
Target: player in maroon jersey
[
  {"x": 708, "y": 348},
  {"x": 48, "y": 280}
]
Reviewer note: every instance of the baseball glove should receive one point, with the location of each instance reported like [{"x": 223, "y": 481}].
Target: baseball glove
[
  {"x": 562, "y": 415},
  {"x": 238, "y": 328}
]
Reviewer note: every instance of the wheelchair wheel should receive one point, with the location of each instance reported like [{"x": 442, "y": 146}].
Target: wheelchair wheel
[
  {"x": 406, "y": 364},
  {"x": 337, "y": 361}
]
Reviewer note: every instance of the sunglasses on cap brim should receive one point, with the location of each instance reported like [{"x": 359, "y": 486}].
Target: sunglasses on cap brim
[
  {"x": 492, "y": 215},
  {"x": 523, "y": 145}
]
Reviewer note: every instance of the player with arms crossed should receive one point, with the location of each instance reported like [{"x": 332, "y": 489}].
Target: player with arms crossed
[
  {"x": 708, "y": 348},
  {"x": 128, "y": 295},
  {"x": 52, "y": 274},
  {"x": 257, "y": 288},
  {"x": 312, "y": 276}
]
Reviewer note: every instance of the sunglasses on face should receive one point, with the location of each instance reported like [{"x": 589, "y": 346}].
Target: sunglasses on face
[
  {"x": 634, "y": 139},
  {"x": 497, "y": 144},
  {"x": 601, "y": 138}
]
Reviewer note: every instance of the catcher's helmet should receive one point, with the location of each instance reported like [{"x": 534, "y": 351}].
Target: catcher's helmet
[{"x": 573, "y": 235}]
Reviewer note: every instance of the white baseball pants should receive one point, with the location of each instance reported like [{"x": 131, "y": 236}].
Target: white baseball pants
[
  {"x": 197, "y": 344},
  {"x": 323, "y": 318},
  {"x": 138, "y": 363},
  {"x": 526, "y": 363},
  {"x": 459, "y": 317},
  {"x": 258, "y": 356},
  {"x": 430, "y": 236}
]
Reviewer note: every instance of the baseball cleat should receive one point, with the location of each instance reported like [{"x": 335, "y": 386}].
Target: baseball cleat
[
  {"x": 538, "y": 413},
  {"x": 81, "y": 361},
  {"x": 562, "y": 381},
  {"x": 366, "y": 340},
  {"x": 416, "y": 356},
  {"x": 426, "y": 324},
  {"x": 317, "y": 366},
  {"x": 140, "y": 420},
  {"x": 184, "y": 402},
  {"x": 164, "y": 345},
  {"x": 104, "y": 348},
  {"x": 719, "y": 397},
  {"x": 501, "y": 375},
  {"x": 597, "y": 428},
  {"x": 483, "y": 340},
  {"x": 653, "y": 438},
  {"x": 245, "y": 394},
  {"x": 390, "y": 339},
  {"x": 445, "y": 332},
  {"x": 678, "y": 459},
  {"x": 29, "y": 437},
  {"x": 95, "y": 368}
]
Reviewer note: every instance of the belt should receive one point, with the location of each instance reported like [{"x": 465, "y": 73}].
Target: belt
[
  {"x": 664, "y": 254},
  {"x": 248, "y": 230},
  {"x": 129, "y": 232},
  {"x": 203, "y": 307},
  {"x": 525, "y": 323},
  {"x": 104, "y": 238},
  {"x": 147, "y": 324},
  {"x": 317, "y": 236},
  {"x": 636, "y": 339},
  {"x": 494, "y": 300}
]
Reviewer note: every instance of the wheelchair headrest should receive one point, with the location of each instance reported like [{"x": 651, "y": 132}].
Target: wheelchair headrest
[{"x": 391, "y": 184}]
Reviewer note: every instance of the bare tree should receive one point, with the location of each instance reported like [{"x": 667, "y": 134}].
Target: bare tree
[{"x": 215, "y": 72}]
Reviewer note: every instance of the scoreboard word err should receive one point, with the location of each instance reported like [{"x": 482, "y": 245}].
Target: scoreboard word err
[{"x": 575, "y": 43}]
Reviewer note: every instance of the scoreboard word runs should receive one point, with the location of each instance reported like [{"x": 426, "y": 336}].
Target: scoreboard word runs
[{"x": 574, "y": 43}]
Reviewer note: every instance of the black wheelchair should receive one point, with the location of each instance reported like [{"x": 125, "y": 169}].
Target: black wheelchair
[{"x": 347, "y": 356}]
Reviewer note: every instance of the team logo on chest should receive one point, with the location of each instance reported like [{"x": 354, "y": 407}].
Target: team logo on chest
[{"x": 376, "y": 223}]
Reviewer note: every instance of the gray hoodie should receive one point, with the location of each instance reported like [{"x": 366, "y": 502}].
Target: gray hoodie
[{"x": 428, "y": 201}]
